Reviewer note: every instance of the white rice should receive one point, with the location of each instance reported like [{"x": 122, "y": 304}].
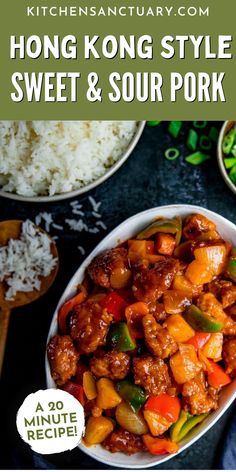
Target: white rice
[
  {"x": 23, "y": 261},
  {"x": 53, "y": 157}
]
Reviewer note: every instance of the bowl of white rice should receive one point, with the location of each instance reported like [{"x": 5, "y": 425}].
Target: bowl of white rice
[{"x": 53, "y": 160}]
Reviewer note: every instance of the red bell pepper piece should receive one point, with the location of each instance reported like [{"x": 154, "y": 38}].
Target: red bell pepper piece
[
  {"x": 115, "y": 305},
  {"x": 159, "y": 446},
  {"x": 165, "y": 405},
  {"x": 75, "y": 390},
  {"x": 199, "y": 340},
  {"x": 66, "y": 308},
  {"x": 216, "y": 375}
]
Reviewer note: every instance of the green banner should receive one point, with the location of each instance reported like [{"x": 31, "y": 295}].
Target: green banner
[{"x": 117, "y": 60}]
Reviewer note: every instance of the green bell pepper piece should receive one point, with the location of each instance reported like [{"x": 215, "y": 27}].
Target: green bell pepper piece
[
  {"x": 231, "y": 268},
  {"x": 190, "y": 424},
  {"x": 132, "y": 394},
  {"x": 120, "y": 338},
  {"x": 228, "y": 142},
  {"x": 176, "y": 427},
  {"x": 161, "y": 225},
  {"x": 184, "y": 424},
  {"x": 179, "y": 231},
  {"x": 201, "y": 321}
]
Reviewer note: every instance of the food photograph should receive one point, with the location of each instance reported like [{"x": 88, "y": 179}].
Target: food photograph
[{"x": 118, "y": 287}]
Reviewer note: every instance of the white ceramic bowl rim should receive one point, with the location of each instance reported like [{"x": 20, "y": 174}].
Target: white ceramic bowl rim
[
  {"x": 136, "y": 223},
  {"x": 63, "y": 196}
]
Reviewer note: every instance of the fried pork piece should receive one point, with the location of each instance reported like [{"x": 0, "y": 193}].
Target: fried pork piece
[
  {"x": 197, "y": 224},
  {"x": 152, "y": 374},
  {"x": 217, "y": 285},
  {"x": 123, "y": 441},
  {"x": 63, "y": 358},
  {"x": 105, "y": 268},
  {"x": 208, "y": 303},
  {"x": 175, "y": 388},
  {"x": 197, "y": 398},
  {"x": 114, "y": 365},
  {"x": 231, "y": 311},
  {"x": 224, "y": 291},
  {"x": 229, "y": 356},
  {"x": 228, "y": 295},
  {"x": 89, "y": 325},
  {"x": 158, "y": 311},
  {"x": 150, "y": 284},
  {"x": 230, "y": 327},
  {"x": 158, "y": 340}
]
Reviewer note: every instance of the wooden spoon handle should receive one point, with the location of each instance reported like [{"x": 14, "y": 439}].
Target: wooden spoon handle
[{"x": 4, "y": 322}]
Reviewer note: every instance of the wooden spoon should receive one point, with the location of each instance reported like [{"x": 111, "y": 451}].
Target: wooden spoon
[{"x": 11, "y": 230}]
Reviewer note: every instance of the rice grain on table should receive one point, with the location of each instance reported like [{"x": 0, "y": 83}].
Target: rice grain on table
[{"x": 54, "y": 157}]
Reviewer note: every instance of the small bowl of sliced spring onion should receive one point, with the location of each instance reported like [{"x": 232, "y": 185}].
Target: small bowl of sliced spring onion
[{"x": 227, "y": 154}]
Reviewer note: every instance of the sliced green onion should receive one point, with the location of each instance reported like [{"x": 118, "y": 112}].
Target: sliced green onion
[
  {"x": 229, "y": 162},
  {"x": 205, "y": 143},
  {"x": 197, "y": 158},
  {"x": 171, "y": 154},
  {"x": 228, "y": 142},
  {"x": 232, "y": 174},
  {"x": 200, "y": 124},
  {"x": 174, "y": 128},
  {"x": 192, "y": 140},
  {"x": 153, "y": 123},
  {"x": 233, "y": 150},
  {"x": 214, "y": 134}
]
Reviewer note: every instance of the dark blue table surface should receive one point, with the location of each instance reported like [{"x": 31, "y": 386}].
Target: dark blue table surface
[{"x": 146, "y": 180}]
